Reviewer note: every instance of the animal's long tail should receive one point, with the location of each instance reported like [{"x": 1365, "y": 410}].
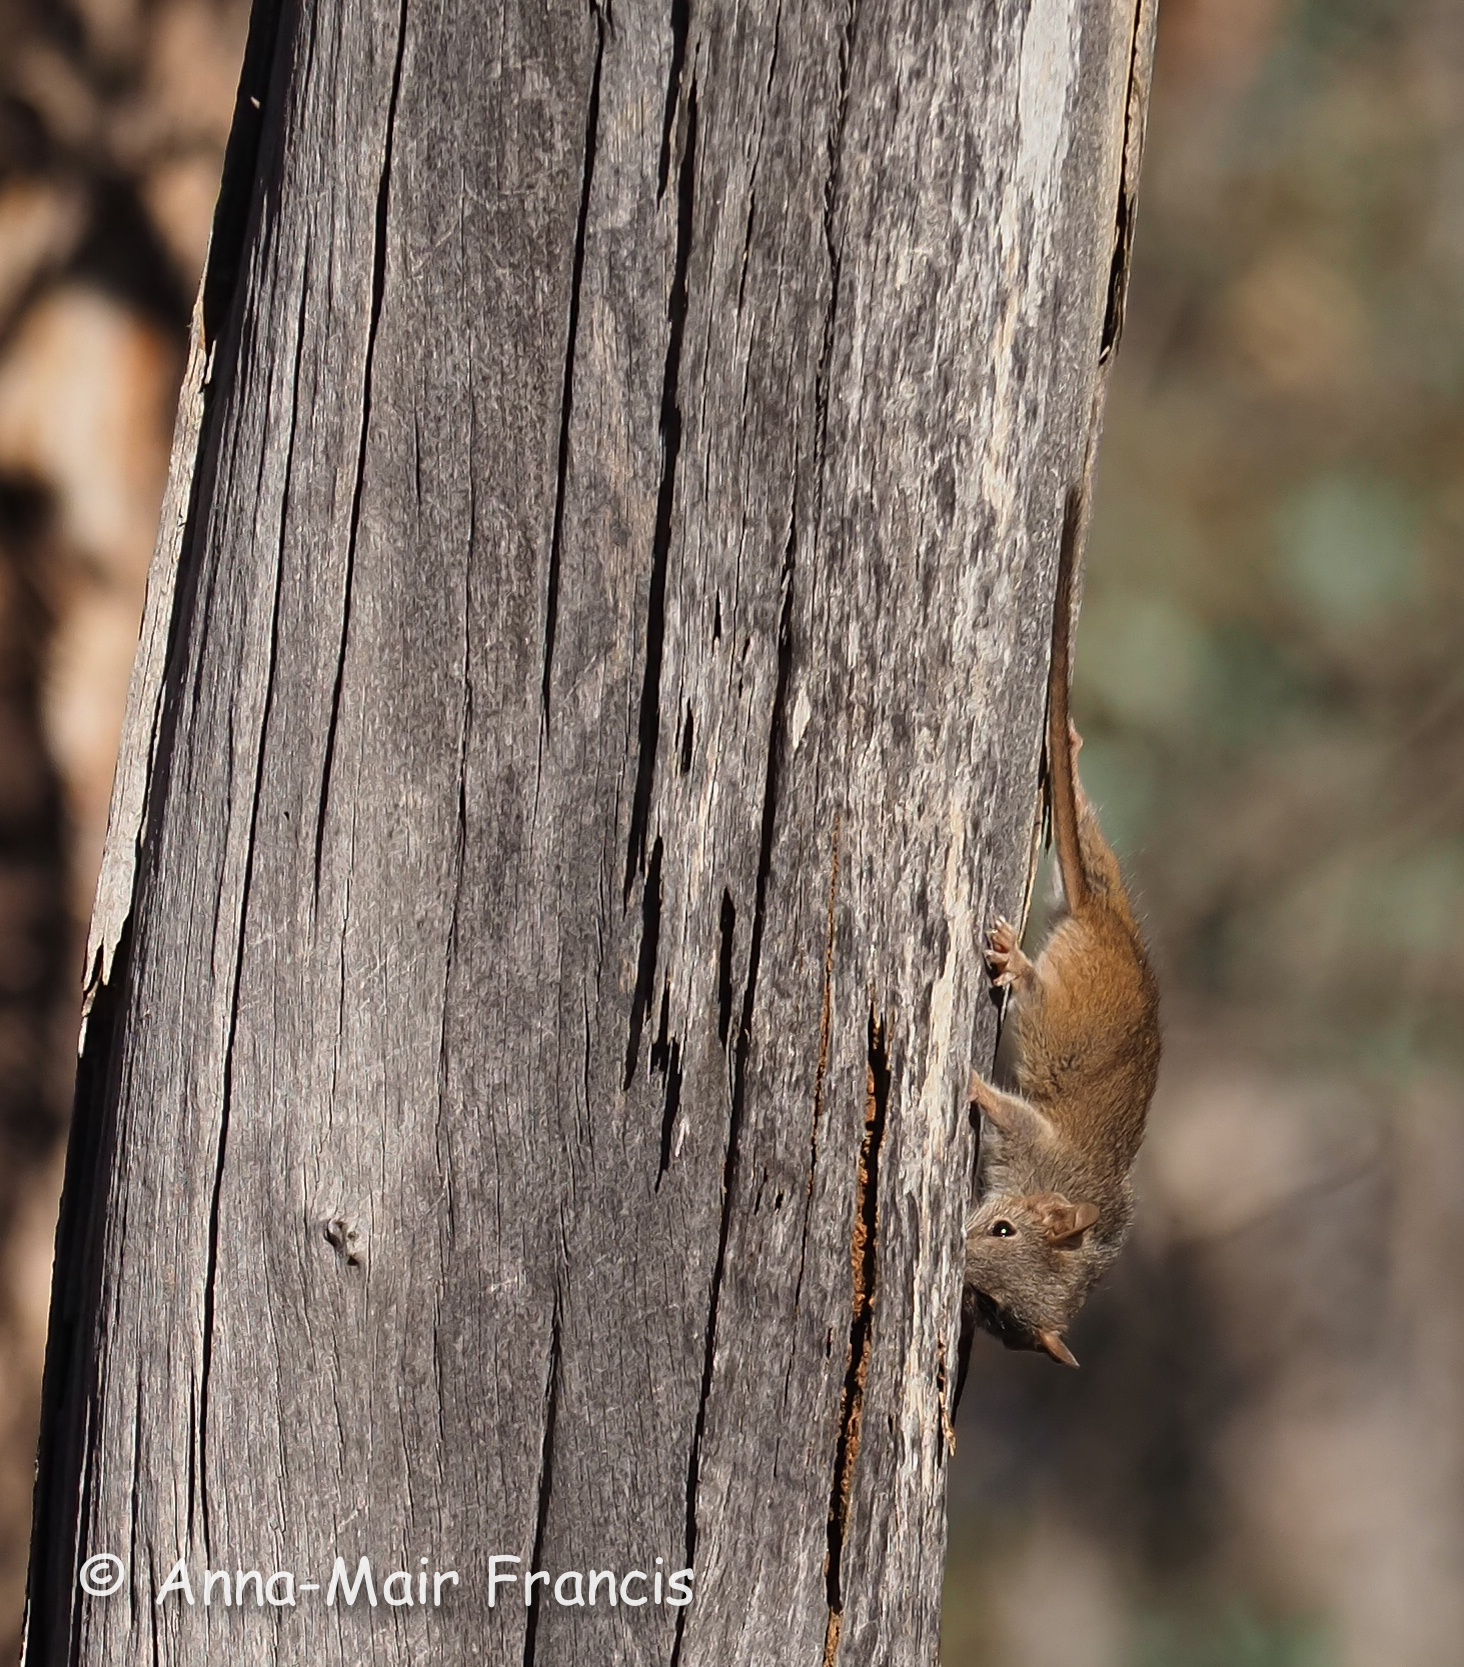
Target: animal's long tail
[{"x": 1062, "y": 783}]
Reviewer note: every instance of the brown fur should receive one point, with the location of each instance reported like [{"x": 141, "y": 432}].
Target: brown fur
[{"x": 1054, "y": 1200}]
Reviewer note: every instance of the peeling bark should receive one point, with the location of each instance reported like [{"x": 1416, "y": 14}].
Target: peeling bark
[{"x": 588, "y": 706}]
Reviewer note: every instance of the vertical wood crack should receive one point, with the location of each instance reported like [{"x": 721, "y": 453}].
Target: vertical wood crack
[
  {"x": 776, "y": 732},
  {"x": 378, "y": 286},
  {"x": 726, "y": 939},
  {"x": 864, "y": 1273},
  {"x": 650, "y": 712},
  {"x": 566, "y": 398},
  {"x": 680, "y": 29},
  {"x": 645, "y": 976},
  {"x": 210, "y": 1277},
  {"x": 825, "y": 1038},
  {"x": 666, "y": 1061},
  {"x": 241, "y": 175},
  {"x": 546, "y": 1470},
  {"x": 1135, "y": 105}
]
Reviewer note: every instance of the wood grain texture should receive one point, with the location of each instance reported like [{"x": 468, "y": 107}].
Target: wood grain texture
[{"x": 589, "y": 707}]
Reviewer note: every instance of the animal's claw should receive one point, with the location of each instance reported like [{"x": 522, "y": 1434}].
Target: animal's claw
[{"x": 1004, "y": 955}]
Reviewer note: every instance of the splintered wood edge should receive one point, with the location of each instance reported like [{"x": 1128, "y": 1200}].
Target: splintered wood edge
[{"x": 138, "y": 744}]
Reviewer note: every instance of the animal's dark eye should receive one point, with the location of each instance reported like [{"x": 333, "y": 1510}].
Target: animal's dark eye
[{"x": 1002, "y": 1230}]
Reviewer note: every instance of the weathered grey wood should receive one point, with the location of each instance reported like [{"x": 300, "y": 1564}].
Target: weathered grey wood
[{"x": 589, "y": 706}]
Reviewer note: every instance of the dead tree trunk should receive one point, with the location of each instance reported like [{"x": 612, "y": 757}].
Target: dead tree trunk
[{"x": 587, "y": 708}]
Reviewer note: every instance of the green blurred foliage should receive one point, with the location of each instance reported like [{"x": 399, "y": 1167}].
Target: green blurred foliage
[
  {"x": 1237, "y": 1637},
  {"x": 1269, "y": 659}
]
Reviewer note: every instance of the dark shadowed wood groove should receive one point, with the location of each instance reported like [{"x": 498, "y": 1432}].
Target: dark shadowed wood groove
[{"x": 587, "y": 707}]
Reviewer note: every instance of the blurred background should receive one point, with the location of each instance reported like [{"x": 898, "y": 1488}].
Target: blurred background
[{"x": 1262, "y": 1461}]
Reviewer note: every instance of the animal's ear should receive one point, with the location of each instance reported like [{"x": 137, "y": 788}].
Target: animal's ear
[
  {"x": 1083, "y": 1216},
  {"x": 1050, "y": 1343},
  {"x": 1059, "y": 1220}
]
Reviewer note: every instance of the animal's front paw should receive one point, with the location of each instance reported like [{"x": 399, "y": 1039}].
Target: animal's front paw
[
  {"x": 1004, "y": 956},
  {"x": 983, "y": 1096}
]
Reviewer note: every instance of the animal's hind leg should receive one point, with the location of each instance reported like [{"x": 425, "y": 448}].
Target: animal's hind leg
[
  {"x": 1008, "y": 966},
  {"x": 1009, "y": 1113}
]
